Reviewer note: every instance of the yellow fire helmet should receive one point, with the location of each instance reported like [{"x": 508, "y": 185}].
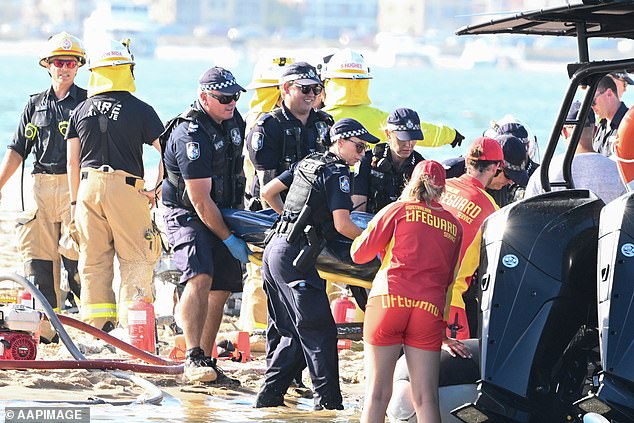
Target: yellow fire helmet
[
  {"x": 63, "y": 44},
  {"x": 111, "y": 53},
  {"x": 267, "y": 73},
  {"x": 345, "y": 64}
]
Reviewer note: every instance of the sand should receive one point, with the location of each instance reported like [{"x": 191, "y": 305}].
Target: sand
[{"x": 80, "y": 385}]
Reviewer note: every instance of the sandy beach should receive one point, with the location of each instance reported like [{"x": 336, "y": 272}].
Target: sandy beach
[{"x": 191, "y": 402}]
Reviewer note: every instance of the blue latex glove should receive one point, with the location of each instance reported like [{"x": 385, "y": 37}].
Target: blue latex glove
[{"x": 238, "y": 248}]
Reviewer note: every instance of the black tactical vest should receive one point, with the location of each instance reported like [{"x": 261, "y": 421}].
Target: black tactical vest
[
  {"x": 386, "y": 182},
  {"x": 292, "y": 147},
  {"x": 303, "y": 191},
  {"x": 228, "y": 184}
]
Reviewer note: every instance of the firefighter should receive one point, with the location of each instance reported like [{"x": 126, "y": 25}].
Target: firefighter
[
  {"x": 41, "y": 131},
  {"x": 110, "y": 205},
  {"x": 346, "y": 78}
]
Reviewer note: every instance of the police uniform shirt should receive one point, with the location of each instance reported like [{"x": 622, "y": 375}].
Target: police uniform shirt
[
  {"x": 131, "y": 123},
  {"x": 42, "y": 129},
  {"x": 364, "y": 171},
  {"x": 606, "y": 134},
  {"x": 333, "y": 185},
  {"x": 265, "y": 142},
  {"x": 190, "y": 152}
]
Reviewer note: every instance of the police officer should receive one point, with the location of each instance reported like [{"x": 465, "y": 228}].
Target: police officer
[
  {"x": 610, "y": 111},
  {"x": 41, "y": 131},
  {"x": 203, "y": 166},
  {"x": 106, "y": 134},
  {"x": 317, "y": 207},
  {"x": 379, "y": 178},
  {"x": 289, "y": 133}
]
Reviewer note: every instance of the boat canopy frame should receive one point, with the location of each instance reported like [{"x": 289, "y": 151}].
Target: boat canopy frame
[{"x": 583, "y": 19}]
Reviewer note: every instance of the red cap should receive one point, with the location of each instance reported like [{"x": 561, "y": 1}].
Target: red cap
[
  {"x": 485, "y": 148},
  {"x": 433, "y": 169}
]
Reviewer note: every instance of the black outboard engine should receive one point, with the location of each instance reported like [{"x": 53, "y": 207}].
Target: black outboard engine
[
  {"x": 615, "y": 397},
  {"x": 538, "y": 267}
]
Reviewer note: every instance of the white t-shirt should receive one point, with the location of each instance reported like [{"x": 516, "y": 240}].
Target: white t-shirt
[{"x": 592, "y": 171}]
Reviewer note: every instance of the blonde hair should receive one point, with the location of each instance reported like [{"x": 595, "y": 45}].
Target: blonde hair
[{"x": 421, "y": 189}]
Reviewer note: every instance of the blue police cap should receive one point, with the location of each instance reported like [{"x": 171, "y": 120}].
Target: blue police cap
[
  {"x": 219, "y": 79},
  {"x": 348, "y": 128},
  {"x": 515, "y": 158},
  {"x": 405, "y": 123},
  {"x": 301, "y": 73}
]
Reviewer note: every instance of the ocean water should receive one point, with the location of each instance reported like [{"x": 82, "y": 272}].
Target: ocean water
[{"x": 464, "y": 99}]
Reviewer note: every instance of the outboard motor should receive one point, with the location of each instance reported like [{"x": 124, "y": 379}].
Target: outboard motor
[
  {"x": 538, "y": 266},
  {"x": 615, "y": 396}
]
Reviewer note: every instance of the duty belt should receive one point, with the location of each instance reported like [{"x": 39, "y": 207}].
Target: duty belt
[
  {"x": 129, "y": 180},
  {"x": 284, "y": 227}
]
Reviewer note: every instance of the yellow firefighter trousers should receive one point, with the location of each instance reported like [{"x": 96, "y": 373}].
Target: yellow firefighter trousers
[
  {"x": 39, "y": 231},
  {"x": 112, "y": 217}
]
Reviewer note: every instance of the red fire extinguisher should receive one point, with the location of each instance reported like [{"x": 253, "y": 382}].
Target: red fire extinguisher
[
  {"x": 343, "y": 310},
  {"x": 141, "y": 323}
]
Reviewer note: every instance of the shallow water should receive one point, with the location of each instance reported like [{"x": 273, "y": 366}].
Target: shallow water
[{"x": 233, "y": 406}]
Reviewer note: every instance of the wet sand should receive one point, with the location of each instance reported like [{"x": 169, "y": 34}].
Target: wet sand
[{"x": 182, "y": 401}]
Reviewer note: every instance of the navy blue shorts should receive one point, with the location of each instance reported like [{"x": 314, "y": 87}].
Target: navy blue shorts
[{"x": 196, "y": 250}]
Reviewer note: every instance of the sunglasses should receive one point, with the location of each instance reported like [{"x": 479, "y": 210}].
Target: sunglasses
[
  {"x": 225, "y": 99},
  {"x": 305, "y": 89},
  {"x": 500, "y": 170},
  {"x": 59, "y": 63},
  {"x": 360, "y": 146}
]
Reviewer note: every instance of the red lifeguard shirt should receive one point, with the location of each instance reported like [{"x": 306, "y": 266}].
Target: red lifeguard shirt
[
  {"x": 467, "y": 200},
  {"x": 419, "y": 246}
]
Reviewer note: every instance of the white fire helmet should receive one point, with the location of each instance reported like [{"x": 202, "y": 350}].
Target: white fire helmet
[
  {"x": 267, "y": 72},
  {"x": 111, "y": 53},
  {"x": 347, "y": 64}
]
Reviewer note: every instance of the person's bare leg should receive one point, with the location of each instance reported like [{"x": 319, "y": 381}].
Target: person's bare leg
[
  {"x": 423, "y": 367},
  {"x": 379, "y": 370},
  {"x": 215, "y": 309},
  {"x": 193, "y": 304}
]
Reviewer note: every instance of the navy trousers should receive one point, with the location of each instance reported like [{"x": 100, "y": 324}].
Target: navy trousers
[{"x": 299, "y": 309}]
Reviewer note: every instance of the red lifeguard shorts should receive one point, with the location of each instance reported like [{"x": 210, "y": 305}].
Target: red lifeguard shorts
[{"x": 393, "y": 320}]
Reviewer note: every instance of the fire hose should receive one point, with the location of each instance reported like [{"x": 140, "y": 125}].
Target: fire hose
[{"x": 152, "y": 394}]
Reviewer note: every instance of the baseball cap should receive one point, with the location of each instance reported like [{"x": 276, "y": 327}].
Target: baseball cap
[
  {"x": 624, "y": 76},
  {"x": 219, "y": 79},
  {"x": 301, "y": 73},
  {"x": 433, "y": 169},
  {"x": 515, "y": 159},
  {"x": 347, "y": 128},
  {"x": 405, "y": 123},
  {"x": 485, "y": 148},
  {"x": 574, "y": 112}
]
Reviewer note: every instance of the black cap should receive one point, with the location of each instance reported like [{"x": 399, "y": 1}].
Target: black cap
[
  {"x": 574, "y": 112},
  {"x": 301, "y": 73},
  {"x": 219, "y": 79},
  {"x": 348, "y": 128},
  {"x": 623, "y": 76},
  {"x": 406, "y": 124},
  {"x": 515, "y": 158}
]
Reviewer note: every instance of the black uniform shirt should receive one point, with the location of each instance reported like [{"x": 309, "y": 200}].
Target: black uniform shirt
[
  {"x": 333, "y": 185},
  {"x": 606, "y": 134},
  {"x": 131, "y": 123},
  {"x": 392, "y": 183},
  {"x": 42, "y": 128},
  {"x": 265, "y": 142}
]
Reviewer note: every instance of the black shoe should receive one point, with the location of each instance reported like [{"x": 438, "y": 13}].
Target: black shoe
[
  {"x": 328, "y": 406},
  {"x": 222, "y": 378},
  {"x": 269, "y": 400}
]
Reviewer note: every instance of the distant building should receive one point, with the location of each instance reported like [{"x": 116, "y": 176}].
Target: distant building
[{"x": 340, "y": 19}]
